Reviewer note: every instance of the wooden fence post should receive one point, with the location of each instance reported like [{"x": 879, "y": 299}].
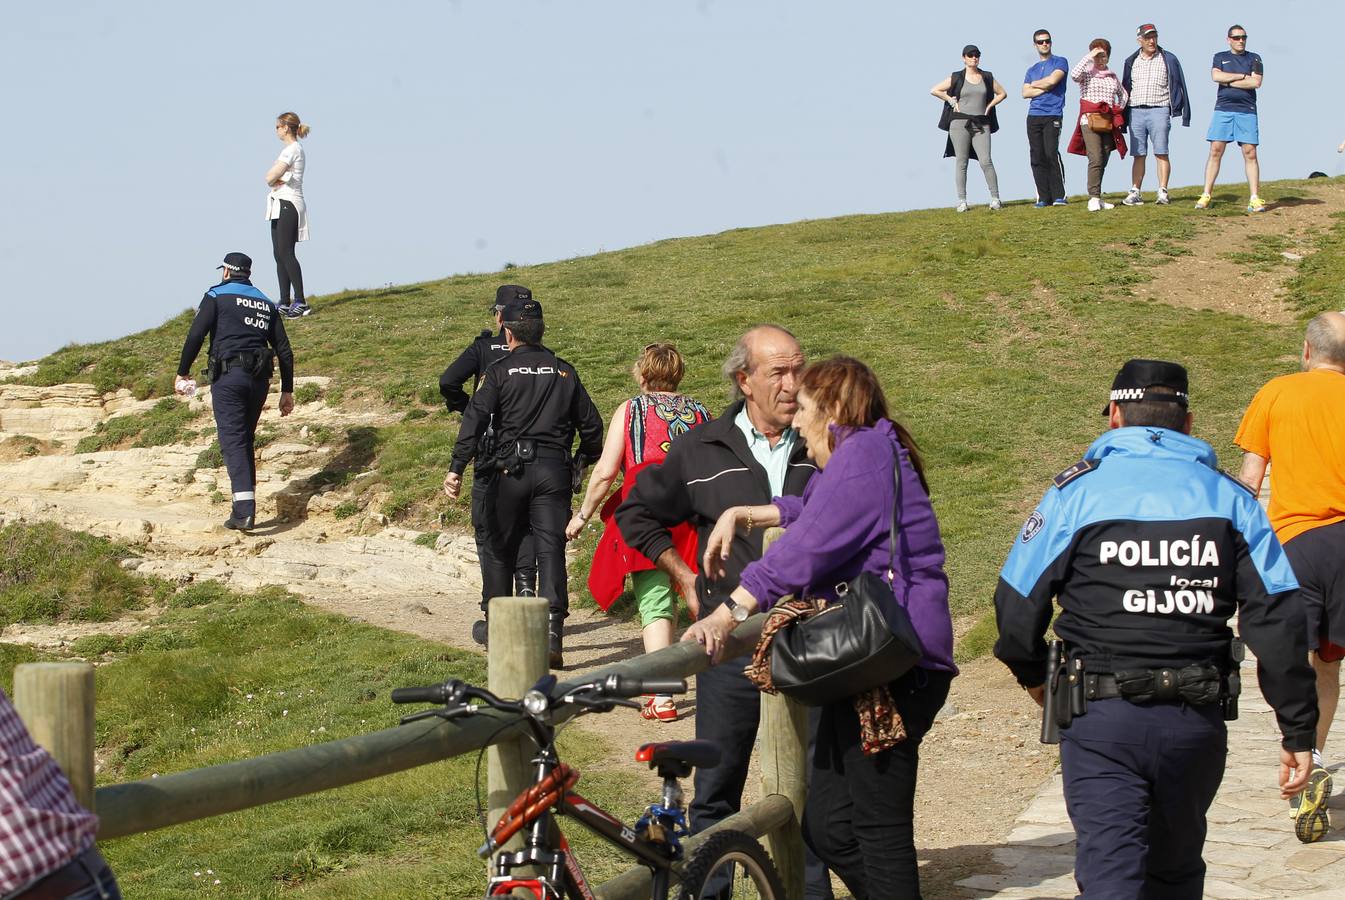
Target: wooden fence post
[
  {"x": 517, "y": 658},
  {"x": 784, "y": 771},
  {"x": 55, "y": 701}
]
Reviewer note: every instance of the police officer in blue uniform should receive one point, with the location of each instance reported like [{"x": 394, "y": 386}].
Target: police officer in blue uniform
[
  {"x": 488, "y": 348},
  {"x": 1149, "y": 550},
  {"x": 536, "y": 403},
  {"x": 246, "y": 339}
]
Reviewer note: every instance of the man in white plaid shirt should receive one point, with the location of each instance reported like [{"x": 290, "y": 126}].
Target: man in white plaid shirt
[{"x": 1157, "y": 87}]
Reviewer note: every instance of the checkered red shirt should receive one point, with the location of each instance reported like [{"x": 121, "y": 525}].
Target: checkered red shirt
[
  {"x": 1149, "y": 81},
  {"x": 41, "y": 826},
  {"x": 1098, "y": 86}
]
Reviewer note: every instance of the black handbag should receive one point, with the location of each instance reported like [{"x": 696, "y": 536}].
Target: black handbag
[{"x": 852, "y": 645}]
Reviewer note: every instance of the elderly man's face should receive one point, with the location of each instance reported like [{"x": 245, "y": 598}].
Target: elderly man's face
[{"x": 772, "y": 381}]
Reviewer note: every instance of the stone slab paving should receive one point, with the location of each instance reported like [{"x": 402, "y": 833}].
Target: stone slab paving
[{"x": 1250, "y": 850}]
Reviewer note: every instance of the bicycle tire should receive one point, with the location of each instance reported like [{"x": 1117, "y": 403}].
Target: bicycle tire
[{"x": 755, "y": 877}]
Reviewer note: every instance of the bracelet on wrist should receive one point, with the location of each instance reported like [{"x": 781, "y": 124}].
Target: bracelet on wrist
[{"x": 749, "y": 520}]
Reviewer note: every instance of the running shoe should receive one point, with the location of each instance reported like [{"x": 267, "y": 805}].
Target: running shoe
[
  {"x": 1310, "y": 819},
  {"x": 659, "y": 709},
  {"x": 298, "y": 311},
  {"x": 1133, "y": 198},
  {"x": 1204, "y": 201},
  {"x": 1163, "y": 197},
  {"x": 1060, "y": 201},
  {"x": 963, "y": 207},
  {"x": 285, "y": 309},
  {"x": 1256, "y": 204},
  {"x": 994, "y": 203},
  {"x": 1040, "y": 204}
]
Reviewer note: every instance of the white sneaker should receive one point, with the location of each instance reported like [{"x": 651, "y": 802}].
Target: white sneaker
[
  {"x": 994, "y": 203},
  {"x": 1094, "y": 204},
  {"x": 1133, "y": 198},
  {"x": 963, "y": 207},
  {"x": 1163, "y": 197}
]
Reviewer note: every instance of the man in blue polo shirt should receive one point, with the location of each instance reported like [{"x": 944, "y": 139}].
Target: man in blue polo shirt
[
  {"x": 1044, "y": 85},
  {"x": 1238, "y": 74}
]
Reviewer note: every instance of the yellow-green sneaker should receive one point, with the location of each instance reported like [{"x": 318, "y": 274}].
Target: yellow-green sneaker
[
  {"x": 1204, "y": 201},
  {"x": 1256, "y": 204},
  {"x": 1310, "y": 819}
]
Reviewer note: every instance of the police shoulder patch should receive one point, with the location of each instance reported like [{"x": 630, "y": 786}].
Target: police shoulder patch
[
  {"x": 1082, "y": 467},
  {"x": 1033, "y": 526}
]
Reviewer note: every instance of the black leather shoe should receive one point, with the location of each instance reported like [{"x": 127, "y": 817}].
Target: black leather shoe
[
  {"x": 556, "y": 627},
  {"x": 239, "y": 523},
  {"x": 479, "y": 631}
]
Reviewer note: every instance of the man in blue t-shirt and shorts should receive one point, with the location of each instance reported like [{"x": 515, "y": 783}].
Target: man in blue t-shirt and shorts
[
  {"x": 1238, "y": 74},
  {"x": 1044, "y": 85}
]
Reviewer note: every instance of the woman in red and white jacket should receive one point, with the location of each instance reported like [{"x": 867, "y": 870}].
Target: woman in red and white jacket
[{"x": 1100, "y": 91}]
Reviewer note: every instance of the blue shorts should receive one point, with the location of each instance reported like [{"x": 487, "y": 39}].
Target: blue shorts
[
  {"x": 1234, "y": 126},
  {"x": 1150, "y": 125}
]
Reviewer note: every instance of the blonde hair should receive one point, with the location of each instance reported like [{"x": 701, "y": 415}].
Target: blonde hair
[
  {"x": 660, "y": 365},
  {"x": 292, "y": 124}
]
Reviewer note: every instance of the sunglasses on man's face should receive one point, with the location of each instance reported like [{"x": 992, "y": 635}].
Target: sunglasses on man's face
[
  {"x": 1237, "y": 37},
  {"x": 972, "y": 55},
  {"x": 1042, "y": 41}
]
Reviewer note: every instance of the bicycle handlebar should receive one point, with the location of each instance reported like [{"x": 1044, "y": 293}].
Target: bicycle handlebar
[
  {"x": 610, "y": 686},
  {"x": 435, "y": 693}
]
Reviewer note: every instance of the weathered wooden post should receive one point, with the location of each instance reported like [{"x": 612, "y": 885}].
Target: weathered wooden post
[
  {"x": 784, "y": 770},
  {"x": 517, "y": 658},
  {"x": 55, "y": 701}
]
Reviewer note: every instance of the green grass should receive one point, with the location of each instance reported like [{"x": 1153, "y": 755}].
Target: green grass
[
  {"x": 221, "y": 676},
  {"x": 49, "y": 574},
  {"x": 166, "y": 422},
  {"x": 995, "y": 337}
]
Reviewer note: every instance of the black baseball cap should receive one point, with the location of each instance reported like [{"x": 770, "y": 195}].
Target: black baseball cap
[
  {"x": 521, "y": 309},
  {"x": 1138, "y": 375},
  {"x": 236, "y": 262},
  {"x": 971, "y": 50},
  {"x": 506, "y": 293}
]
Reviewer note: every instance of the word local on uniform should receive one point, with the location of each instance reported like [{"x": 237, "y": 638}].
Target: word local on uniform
[{"x": 1181, "y": 552}]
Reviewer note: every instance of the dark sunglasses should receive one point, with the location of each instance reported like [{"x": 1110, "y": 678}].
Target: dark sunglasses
[
  {"x": 1042, "y": 41},
  {"x": 1237, "y": 37},
  {"x": 972, "y": 55}
]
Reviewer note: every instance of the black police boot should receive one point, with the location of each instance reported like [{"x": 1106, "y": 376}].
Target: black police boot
[
  {"x": 525, "y": 585},
  {"x": 239, "y": 523},
  {"x": 557, "y": 626},
  {"x": 481, "y": 629}
]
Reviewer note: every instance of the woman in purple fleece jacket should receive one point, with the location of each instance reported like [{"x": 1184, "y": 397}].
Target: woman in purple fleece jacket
[{"x": 860, "y": 810}]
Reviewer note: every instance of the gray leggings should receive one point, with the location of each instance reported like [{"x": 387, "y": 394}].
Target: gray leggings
[{"x": 963, "y": 143}]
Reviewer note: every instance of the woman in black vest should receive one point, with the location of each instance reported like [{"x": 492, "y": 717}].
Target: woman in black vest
[{"x": 969, "y": 100}]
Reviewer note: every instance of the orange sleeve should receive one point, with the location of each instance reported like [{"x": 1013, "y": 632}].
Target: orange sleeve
[{"x": 1254, "y": 432}]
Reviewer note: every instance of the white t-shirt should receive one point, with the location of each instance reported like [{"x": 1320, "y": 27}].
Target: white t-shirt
[{"x": 291, "y": 187}]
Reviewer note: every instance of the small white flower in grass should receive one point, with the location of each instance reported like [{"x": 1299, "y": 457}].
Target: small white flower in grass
[
  {"x": 216, "y": 881},
  {"x": 193, "y": 731},
  {"x": 249, "y": 696},
  {"x": 210, "y": 871},
  {"x": 322, "y": 728},
  {"x": 196, "y": 874},
  {"x": 280, "y": 693},
  {"x": 153, "y": 774},
  {"x": 284, "y": 712}
]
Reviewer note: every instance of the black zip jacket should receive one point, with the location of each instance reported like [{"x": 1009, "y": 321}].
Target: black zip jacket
[
  {"x": 531, "y": 393},
  {"x": 707, "y": 470},
  {"x": 239, "y": 319},
  {"x": 472, "y": 363}
]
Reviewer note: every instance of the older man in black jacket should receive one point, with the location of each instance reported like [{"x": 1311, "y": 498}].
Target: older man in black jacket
[{"x": 744, "y": 458}]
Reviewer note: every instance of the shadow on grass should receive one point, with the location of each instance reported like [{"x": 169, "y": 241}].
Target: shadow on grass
[
  {"x": 1289, "y": 202},
  {"x": 356, "y": 456}
]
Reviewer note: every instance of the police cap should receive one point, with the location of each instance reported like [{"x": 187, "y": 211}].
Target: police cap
[
  {"x": 509, "y": 292},
  {"x": 521, "y": 310},
  {"x": 1137, "y": 375},
  {"x": 236, "y": 262}
]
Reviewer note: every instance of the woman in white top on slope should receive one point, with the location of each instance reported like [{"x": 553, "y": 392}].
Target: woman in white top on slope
[{"x": 287, "y": 212}]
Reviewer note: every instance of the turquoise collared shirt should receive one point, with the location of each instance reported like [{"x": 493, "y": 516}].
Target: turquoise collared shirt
[{"x": 775, "y": 460}]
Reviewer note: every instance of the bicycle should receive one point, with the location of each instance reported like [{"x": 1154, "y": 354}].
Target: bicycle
[{"x": 727, "y": 859}]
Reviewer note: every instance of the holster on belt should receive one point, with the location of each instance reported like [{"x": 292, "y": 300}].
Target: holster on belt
[{"x": 257, "y": 363}]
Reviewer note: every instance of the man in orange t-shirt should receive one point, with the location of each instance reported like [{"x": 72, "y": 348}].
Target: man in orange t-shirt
[{"x": 1297, "y": 422}]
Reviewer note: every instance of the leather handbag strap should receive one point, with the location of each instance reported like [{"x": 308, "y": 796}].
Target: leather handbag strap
[{"x": 892, "y": 531}]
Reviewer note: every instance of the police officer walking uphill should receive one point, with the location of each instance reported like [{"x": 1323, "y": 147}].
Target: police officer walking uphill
[
  {"x": 481, "y": 354},
  {"x": 536, "y": 403},
  {"x": 1149, "y": 550},
  {"x": 246, "y": 338}
]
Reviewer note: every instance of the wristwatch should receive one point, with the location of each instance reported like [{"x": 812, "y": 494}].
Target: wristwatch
[{"x": 736, "y": 610}]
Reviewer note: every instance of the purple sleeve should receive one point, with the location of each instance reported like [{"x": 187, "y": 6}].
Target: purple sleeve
[
  {"x": 789, "y": 507},
  {"x": 846, "y": 508}
]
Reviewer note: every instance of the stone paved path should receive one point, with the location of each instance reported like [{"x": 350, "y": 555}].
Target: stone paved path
[{"x": 1250, "y": 850}]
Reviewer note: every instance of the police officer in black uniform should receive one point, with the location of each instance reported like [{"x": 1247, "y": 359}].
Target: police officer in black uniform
[
  {"x": 1149, "y": 549},
  {"x": 480, "y": 355},
  {"x": 246, "y": 339},
  {"x": 536, "y": 403}
]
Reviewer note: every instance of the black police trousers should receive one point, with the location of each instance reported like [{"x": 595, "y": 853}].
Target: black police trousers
[
  {"x": 538, "y": 498},
  {"x": 238, "y": 399},
  {"x": 1138, "y": 782},
  {"x": 524, "y": 567}
]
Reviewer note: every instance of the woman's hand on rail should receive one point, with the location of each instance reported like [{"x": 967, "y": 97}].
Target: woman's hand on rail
[{"x": 711, "y": 632}]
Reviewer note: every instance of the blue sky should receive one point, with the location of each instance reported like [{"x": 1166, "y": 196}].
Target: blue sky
[{"x": 456, "y": 137}]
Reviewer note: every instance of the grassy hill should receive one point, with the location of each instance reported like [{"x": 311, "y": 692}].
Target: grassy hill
[{"x": 996, "y": 337}]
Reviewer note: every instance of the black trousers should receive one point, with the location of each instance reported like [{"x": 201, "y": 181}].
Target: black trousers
[
  {"x": 1043, "y": 143},
  {"x": 1138, "y": 782},
  {"x": 860, "y": 814},
  {"x": 525, "y": 564},
  {"x": 238, "y": 398},
  {"x": 538, "y": 498},
  {"x": 284, "y": 235}
]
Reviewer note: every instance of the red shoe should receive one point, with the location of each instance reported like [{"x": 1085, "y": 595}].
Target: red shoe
[{"x": 661, "y": 709}]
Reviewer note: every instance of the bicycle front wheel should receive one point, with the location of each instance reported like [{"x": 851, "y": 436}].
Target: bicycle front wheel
[{"x": 730, "y": 860}]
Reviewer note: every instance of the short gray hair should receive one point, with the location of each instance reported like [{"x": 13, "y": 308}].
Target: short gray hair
[
  {"x": 740, "y": 357},
  {"x": 1326, "y": 338}
]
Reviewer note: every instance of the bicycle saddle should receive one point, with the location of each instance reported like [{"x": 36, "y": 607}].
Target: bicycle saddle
[{"x": 682, "y": 754}]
